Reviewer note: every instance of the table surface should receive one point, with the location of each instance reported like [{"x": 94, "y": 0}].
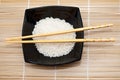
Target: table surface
[{"x": 100, "y": 61}]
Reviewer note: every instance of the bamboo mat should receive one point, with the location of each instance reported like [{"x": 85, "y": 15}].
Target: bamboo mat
[{"x": 100, "y": 61}]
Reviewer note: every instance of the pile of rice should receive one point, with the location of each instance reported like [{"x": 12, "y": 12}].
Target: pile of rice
[{"x": 48, "y": 25}]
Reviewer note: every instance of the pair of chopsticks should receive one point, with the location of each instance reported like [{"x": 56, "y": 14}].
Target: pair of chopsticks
[{"x": 18, "y": 39}]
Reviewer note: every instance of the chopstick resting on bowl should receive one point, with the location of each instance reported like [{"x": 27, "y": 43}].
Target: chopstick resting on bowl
[
  {"x": 61, "y": 41},
  {"x": 61, "y": 32}
]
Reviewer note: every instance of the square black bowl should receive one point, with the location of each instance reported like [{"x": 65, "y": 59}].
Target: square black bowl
[{"x": 69, "y": 14}]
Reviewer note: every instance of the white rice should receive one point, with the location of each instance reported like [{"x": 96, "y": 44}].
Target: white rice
[{"x": 48, "y": 25}]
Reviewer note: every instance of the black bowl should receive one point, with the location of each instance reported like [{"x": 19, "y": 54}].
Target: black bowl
[{"x": 70, "y": 14}]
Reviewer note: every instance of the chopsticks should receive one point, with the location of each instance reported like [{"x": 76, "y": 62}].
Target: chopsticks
[
  {"x": 17, "y": 39},
  {"x": 61, "y": 32},
  {"x": 61, "y": 41}
]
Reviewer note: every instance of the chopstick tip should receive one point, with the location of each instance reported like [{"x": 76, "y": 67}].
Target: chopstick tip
[
  {"x": 110, "y": 24},
  {"x": 7, "y": 39},
  {"x": 113, "y": 39}
]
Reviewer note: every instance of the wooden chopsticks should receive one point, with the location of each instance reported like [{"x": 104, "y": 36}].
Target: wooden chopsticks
[
  {"x": 61, "y": 32},
  {"x": 61, "y": 41},
  {"x": 17, "y": 39}
]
